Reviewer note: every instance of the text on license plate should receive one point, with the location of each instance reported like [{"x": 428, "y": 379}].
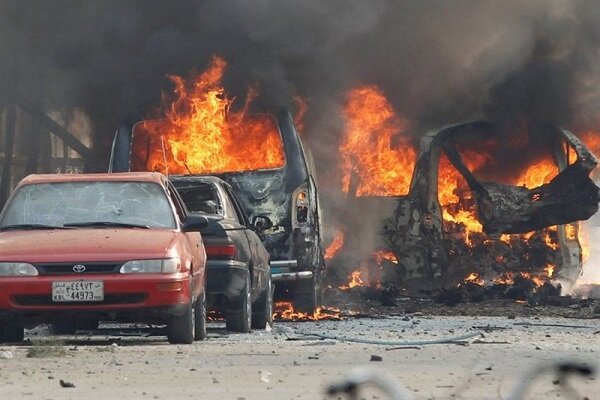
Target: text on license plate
[{"x": 78, "y": 291}]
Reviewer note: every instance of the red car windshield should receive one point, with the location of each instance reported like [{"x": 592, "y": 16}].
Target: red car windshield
[{"x": 73, "y": 203}]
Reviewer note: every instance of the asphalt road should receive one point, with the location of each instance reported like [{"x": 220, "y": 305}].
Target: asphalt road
[{"x": 286, "y": 364}]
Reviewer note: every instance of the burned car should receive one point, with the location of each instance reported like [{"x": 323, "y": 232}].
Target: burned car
[
  {"x": 284, "y": 190},
  {"x": 101, "y": 247},
  {"x": 520, "y": 226},
  {"x": 473, "y": 205},
  {"x": 238, "y": 274}
]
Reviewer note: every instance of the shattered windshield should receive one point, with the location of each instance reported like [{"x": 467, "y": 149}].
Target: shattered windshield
[{"x": 61, "y": 203}]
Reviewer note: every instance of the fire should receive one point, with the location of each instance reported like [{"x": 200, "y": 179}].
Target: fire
[
  {"x": 335, "y": 246},
  {"x": 453, "y": 189},
  {"x": 201, "y": 133},
  {"x": 538, "y": 174},
  {"x": 382, "y": 255},
  {"x": 377, "y": 160},
  {"x": 549, "y": 270},
  {"x": 584, "y": 241},
  {"x": 284, "y": 310},
  {"x": 354, "y": 281},
  {"x": 474, "y": 277},
  {"x": 592, "y": 141}
]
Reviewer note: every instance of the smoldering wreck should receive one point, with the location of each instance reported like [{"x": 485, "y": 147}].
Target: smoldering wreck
[{"x": 495, "y": 229}]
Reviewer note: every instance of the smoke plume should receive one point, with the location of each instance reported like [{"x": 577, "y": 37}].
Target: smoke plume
[{"x": 437, "y": 62}]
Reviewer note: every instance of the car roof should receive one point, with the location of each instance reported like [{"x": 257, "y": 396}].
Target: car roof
[
  {"x": 197, "y": 178},
  {"x": 104, "y": 177}
]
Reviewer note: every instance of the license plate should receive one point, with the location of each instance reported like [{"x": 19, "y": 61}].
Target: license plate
[{"x": 77, "y": 291}]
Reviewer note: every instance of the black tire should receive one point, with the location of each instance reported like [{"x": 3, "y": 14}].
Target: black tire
[
  {"x": 180, "y": 329},
  {"x": 239, "y": 317},
  {"x": 262, "y": 316},
  {"x": 307, "y": 294},
  {"x": 12, "y": 333},
  {"x": 63, "y": 328},
  {"x": 200, "y": 317}
]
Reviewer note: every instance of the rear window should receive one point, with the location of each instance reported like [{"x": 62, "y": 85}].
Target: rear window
[
  {"x": 199, "y": 147},
  {"x": 199, "y": 197},
  {"x": 60, "y": 203}
]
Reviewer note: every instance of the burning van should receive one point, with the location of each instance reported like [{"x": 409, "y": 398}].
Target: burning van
[
  {"x": 483, "y": 203},
  {"x": 262, "y": 157}
]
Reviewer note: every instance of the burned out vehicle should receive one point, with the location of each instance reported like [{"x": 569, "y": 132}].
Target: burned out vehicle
[
  {"x": 238, "y": 274},
  {"x": 529, "y": 228},
  {"x": 486, "y": 203},
  {"x": 285, "y": 191}
]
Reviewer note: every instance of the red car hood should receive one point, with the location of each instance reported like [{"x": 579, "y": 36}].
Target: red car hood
[{"x": 79, "y": 245}]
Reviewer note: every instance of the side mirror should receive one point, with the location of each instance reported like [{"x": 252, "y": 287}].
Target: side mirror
[
  {"x": 194, "y": 223},
  {"x": 261, "y": 223}
]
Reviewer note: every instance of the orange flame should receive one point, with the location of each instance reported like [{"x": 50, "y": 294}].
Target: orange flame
[
  {"x": 284, "y": 310},
  {"x": 538, "y": 174},
  {"x": 354, "y": 281},
  {"x": 376, "y": 159},
  {"x": 474, "y": 277},
  {"x": 592, "y": 141},
  {"x": 382, "y": 255},
  {"x": 335, "y": 246},
  {"x": 202, "y": 134}
]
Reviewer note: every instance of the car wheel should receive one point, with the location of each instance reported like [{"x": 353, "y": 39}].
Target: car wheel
[
  {"x": 180, "y": 329},
  {"x": 239, "y": 318},
  {"x": 63, "y": 328},
  {"x": 307, "y": 295},
  {"x": 200, "y": 317},
  {"x": 11, "y": 333},
  {"x": 262, "y": 318}
]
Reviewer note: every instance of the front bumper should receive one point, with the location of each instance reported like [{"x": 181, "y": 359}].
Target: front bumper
[
  {"x": 284, "y": 270},
  {"x": 135, "y": 297}
]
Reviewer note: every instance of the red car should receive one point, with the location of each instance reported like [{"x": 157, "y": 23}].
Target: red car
[{"x": 78, "y": 249}]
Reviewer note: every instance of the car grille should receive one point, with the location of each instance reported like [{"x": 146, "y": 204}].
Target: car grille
[
  {"x": 67, "y": 268},
  {"x": 109, "y": 299}
]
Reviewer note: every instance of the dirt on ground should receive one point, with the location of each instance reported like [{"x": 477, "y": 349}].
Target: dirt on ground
[{"x": 482, "y": 356}]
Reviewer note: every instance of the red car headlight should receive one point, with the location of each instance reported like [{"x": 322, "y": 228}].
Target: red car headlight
[{"x": 160, "y": 266}]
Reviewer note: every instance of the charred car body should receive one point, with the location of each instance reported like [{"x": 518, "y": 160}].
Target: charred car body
[
  {"x": 287, "y": 195},
  {"x": 238, "y": 273},
  {"x": 416, "y": 232},
  {"x": 101, "y": 247}
]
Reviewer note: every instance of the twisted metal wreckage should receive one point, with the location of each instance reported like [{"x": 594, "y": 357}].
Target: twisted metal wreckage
[{"x": 415, "y": 232}]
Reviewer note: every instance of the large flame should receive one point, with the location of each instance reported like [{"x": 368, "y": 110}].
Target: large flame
[
  {"x": 377, "y": 160},
  {"x": 201, "y": 133}
]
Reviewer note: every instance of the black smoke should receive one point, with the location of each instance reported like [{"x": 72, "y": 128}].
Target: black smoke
[{"x": 438, "y": 62}]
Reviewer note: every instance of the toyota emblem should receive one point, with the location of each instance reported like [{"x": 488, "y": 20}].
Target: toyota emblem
[{"x": 79, "y": 268}]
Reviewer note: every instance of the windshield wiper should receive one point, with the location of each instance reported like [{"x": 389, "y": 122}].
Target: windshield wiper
[
  {"x": 30, "y": 227},
  {"x": 108, "y": 224}
]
